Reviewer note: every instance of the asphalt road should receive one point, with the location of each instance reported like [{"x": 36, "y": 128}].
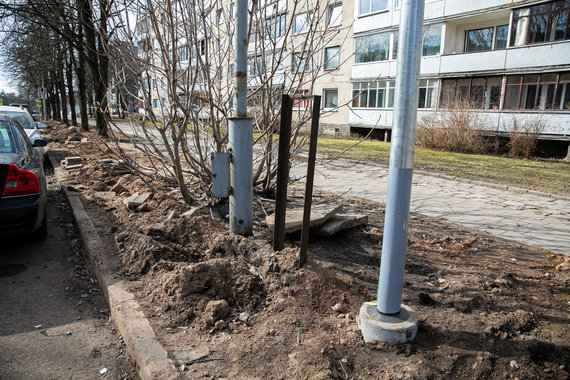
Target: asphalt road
[{"x": 54, "y": 322}]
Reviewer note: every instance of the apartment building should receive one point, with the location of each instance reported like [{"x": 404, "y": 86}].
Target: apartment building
[{"x": 506, "y": 60}]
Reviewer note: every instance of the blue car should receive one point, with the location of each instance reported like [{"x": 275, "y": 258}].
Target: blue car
[{"x": 23, "y": 194}]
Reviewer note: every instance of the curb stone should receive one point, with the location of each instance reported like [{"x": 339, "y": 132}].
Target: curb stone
[{"x": 150, "y": 357}]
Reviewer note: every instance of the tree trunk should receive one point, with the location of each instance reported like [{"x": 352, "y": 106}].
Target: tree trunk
[
  {"x": 70, "y": 91},
  {"x": 100, "y": 78},
  {"x": 61, "y": 82}
]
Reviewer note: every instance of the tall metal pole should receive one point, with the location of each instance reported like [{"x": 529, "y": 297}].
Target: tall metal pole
[
  {"x": 241, "y": 136},
  {"x": 401, "y": 158}
]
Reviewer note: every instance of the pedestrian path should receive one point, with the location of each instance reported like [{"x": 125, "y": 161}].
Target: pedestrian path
[{"x": 535, "y": 220}]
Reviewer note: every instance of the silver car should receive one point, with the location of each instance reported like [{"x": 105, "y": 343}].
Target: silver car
[{"x": 23, "y": 118}]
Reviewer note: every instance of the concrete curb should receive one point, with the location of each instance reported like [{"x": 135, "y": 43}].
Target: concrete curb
[{"x": 150, "y": 357}]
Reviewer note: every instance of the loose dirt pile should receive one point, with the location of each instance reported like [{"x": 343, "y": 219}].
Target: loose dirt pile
[{"x": 229, "y": 307}]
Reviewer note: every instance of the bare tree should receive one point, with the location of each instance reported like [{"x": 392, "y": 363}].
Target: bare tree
[{"x": 182, "y": 56}]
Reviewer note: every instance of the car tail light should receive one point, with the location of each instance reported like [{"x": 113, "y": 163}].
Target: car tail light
[{"x": 20, "y": 182}]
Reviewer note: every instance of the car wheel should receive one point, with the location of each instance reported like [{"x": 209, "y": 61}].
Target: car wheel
[{"x": 41, "y": 233}]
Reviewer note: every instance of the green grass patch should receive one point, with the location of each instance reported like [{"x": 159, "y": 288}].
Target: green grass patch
[{"x": 550, "y": 176}]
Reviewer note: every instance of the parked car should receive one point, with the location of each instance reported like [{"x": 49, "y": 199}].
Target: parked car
[
  {"x": 23, "y": 118},
  {"x": 25, "y": 107},
  {"x": 23, "y": 194}
]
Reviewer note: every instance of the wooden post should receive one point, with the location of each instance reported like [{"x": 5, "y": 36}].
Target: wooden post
[
  {"x": 310, "y": 178},
  {"x": 282, "y": 173}
]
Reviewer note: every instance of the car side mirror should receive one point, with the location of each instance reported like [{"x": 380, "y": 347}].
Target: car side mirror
[
  {"x": 38, "y": 143},
  {"x": 41, "y": 125}
]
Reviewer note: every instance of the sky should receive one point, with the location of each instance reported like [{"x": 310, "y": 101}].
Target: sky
[{"x": 5, "y": 83}]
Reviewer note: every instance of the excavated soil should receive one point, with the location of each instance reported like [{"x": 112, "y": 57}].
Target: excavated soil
[{"x": 229, "y": 307}]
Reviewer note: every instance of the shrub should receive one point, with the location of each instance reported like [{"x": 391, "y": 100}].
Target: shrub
[
  {"x": 456, "y": 128},
  {"x": 523, "y": 138}
]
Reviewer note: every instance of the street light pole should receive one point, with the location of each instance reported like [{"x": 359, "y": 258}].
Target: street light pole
[
  {"x": 387, "y": 320},
  {"x": 241, "y": 135}
]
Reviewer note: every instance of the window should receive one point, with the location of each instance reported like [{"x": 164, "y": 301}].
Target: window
[
  {"x": 154, "y": 84},
  {"x": 550, "y": 91},
  {"x": 332, "y": 57},
  {"x": 301, "y": 23},
  {"x": 493, "y": 37},
  {"x": 302, "y": 62},
  {"x": 273, "y": 62},
  {"x": 427, "y": 93},
  {"x": 255, "y": 66},
  {"x": 182, "y": 53},
  {"x": 378, "y": 94},
  {"x": 431, "y": 40},
  {"x": 232, "y": 11},
  {"x": 334, "y": 15},
  {"x": 372, "y": 6},
  {"x": 155, "y": 103},
  {"x": 540, "y": 23},
  {"x": 163, "y": 103},
  {"x": 330, "y": 99},
  {"x": 231, "y": 72},
  {"x": 219, "y": 17},
  {"x": 301, "y": 104},
  {"x": 372, "y": 48},
  {"x": 501, "y": 33},
  {"x": 533, "y": 92},
  {"x": 275, "y": 26},
  {"x": 562, "y": 96},
  {"x": 479, "y": 39}
]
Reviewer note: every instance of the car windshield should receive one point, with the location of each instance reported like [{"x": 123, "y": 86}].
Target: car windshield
[
  {"x": 21, "y": 117},
  {"x": 6, "y": 139}
]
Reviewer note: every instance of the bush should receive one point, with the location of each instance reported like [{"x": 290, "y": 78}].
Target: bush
[
  {"x": 523, "y": 138},
  {"x": 456, "y": 128}
]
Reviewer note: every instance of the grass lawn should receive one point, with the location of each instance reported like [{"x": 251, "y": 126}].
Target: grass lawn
[{"x": 542, "y": 175}]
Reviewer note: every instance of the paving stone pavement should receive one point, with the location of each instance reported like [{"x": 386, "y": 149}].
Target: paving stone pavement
[{"x": 531, "y": 219}]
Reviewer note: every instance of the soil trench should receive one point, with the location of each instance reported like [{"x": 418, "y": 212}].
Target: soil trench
[{"x": 226, "y": 306}]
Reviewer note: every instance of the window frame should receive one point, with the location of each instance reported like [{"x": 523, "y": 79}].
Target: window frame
[
  {"x": 330, "y": 12},
  {"x": 325, "y": 92},
  {"x": 371, "y": 10},
  {"x": 358, "y": 54},
  {"x": 306, "y": 24},
  {"x": 329, "y": 59},
  {"x": 300, "y": 59}
]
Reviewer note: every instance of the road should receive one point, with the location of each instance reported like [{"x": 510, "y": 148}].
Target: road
[{"x": 54, "y": 322}]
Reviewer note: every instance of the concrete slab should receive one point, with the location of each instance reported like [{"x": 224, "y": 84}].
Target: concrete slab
[
  {"x": 340, "y": 222},
  {"x": 320, "y": 213}
]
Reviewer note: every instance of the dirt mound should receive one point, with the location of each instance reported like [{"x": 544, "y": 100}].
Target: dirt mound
[
  {"x": 514, "y": 324},
  {"x": 192, "y": 286}
]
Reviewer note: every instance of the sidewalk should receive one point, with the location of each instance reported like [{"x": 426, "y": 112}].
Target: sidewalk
[{"x": 530, "y": 219}]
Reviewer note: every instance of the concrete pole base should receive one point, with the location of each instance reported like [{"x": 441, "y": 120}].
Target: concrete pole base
[{"x": 390, "y": 329}]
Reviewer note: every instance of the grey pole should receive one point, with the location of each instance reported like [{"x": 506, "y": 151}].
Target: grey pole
[
  {"x": 240, "y": 43},
  {"x": 241, "y": 136},
  {"x": 401, "y": 158}
]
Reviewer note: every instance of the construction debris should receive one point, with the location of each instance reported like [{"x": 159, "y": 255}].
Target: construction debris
[
  {"x": 340, "y": 222},
  {"x": 294, "y": 217},
  {"x": 136, "y": 200}
]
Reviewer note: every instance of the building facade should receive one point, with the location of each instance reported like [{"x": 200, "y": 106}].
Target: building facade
[{"x": 505, "y": 60}]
